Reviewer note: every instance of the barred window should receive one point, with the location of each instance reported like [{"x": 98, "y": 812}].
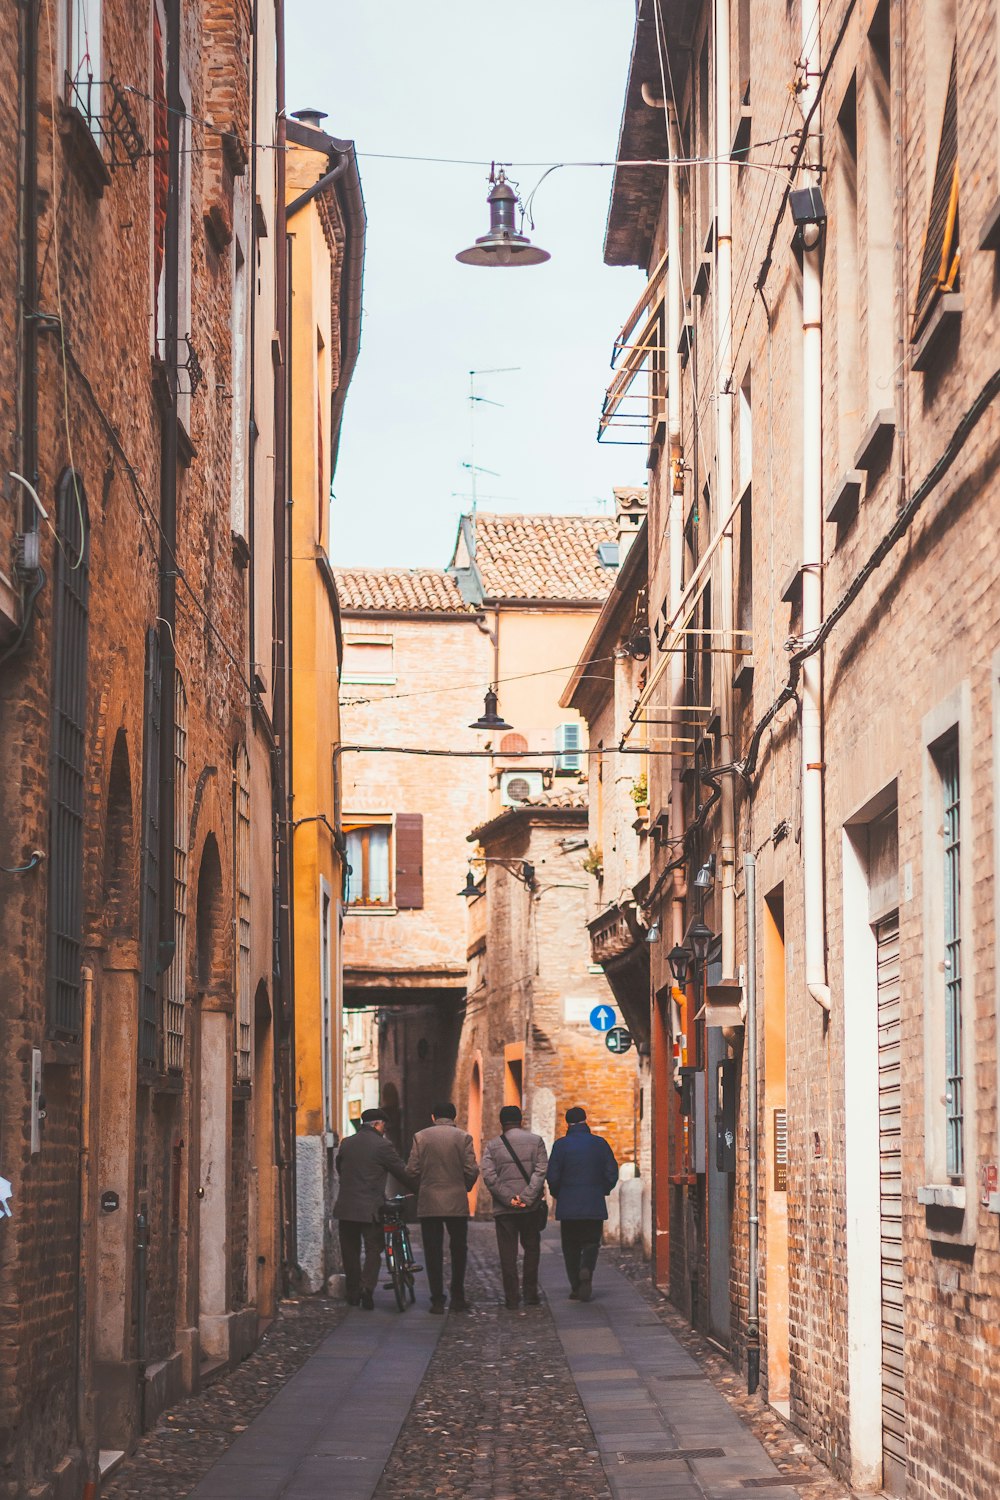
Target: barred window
[
  {"x": 71, "y": 594},
  {"x": 175, "y": 981},
  {"x": 244, "y": 996},
  {"x": 951, "y": 871}
]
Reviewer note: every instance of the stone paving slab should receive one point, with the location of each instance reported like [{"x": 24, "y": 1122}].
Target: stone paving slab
[
  {"x": 340, "y": 1413},
  {"x": 616, "y": 1333}
]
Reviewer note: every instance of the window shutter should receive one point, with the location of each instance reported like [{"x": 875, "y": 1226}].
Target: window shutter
[
  {"x": 409, "y": 861},
  {"x": 150, "y": 889},
  {"x": 939, "y": 266}
]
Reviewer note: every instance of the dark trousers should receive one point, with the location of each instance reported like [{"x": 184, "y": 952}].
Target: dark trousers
[
  {"x": 514, "y": 1229},
  {"x": 432, "y": 1233},
  {"x": 581, "y": 1242},
  {"x": 354, "y": 1233}
]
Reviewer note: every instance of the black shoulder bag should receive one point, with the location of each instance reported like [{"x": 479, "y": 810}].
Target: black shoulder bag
[{"x": 541, "y": 1208}]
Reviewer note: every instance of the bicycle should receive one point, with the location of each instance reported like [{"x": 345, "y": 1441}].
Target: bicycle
[{"x": 398, "y": 1252}]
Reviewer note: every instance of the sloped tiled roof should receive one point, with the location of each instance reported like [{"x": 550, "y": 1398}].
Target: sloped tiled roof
[
  {"x": 543, "y": 557},
  {"x": 425, "y": 589}
]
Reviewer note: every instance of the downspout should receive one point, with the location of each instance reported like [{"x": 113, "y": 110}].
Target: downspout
[
  {"x": 167, "y": 612},
  {"x": 285, "y": 1040},
  {"x": 251, "y": 268},
  {"x": 724, "y": 472},
  {"x": 675, "y": 513},
  {"x": 28, "y": 414},
  {"x": 812, "y": 555},
  {"x": 84, "y": 1427},
  {"x": 753, "y": 1219}
]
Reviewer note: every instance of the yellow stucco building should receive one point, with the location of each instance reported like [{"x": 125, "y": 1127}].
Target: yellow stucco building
[{"x": 326, "y": 229}]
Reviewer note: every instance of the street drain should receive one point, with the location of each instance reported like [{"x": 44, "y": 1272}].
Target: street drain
[
  {"x": 671, "y": 1453},
  {"x": 774, "y": 1481}
]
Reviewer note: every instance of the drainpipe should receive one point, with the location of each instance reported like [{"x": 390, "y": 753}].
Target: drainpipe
[
  {"x": 812, "y": 558},
  {"x": 167, "y": 611},
  {"x": 84, "y": 1343},
  {"x": 753, "y": 1221},
  {"x": 724, "y": 470},
  {"x": 675, "y": 512}
]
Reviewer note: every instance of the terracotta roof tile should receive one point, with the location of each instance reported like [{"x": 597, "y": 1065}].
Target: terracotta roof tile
[
  {"x": 425, "y": 589},
  {"x": 543, "y": 557}
]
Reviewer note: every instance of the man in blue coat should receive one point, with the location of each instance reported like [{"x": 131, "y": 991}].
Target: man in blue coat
[{"x": 582, "y": 1172}]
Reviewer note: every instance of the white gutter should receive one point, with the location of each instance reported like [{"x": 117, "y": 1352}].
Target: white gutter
[
  {"x": 675, "y": 512},
  {"x": 813, "y": 864},
  {"x": 723, "y": 304}
]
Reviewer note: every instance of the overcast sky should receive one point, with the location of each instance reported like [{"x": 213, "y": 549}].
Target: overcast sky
[{"x": 525, "y": 81}]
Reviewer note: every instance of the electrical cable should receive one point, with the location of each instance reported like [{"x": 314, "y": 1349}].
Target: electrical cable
[
  {"x": 897, "y": 530},
  {"x": 456, "y": 687}
]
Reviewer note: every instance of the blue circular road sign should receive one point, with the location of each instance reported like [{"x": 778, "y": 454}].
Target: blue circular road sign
[{"x": 602, "y": 1018}]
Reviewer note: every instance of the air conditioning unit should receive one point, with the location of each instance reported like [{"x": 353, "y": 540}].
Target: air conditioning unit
[{"x": 520, "y": 786}]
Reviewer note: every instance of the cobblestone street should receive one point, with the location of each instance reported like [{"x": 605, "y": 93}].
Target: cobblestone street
[{"x": 612, "y": 1399}]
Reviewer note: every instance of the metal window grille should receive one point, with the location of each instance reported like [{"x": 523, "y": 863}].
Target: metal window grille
[
  {"x": 148, "y": 997},
  {"x": 954, "y": 1104},
  {"x": 243, "y": 996},
  {"x": 67, "y": 756},
  {"x": 568, "y": 746},
  {"x": 174, "y": 982}
]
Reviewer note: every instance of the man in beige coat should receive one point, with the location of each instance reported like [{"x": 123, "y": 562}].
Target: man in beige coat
[{"x": 443, "y": 1161}]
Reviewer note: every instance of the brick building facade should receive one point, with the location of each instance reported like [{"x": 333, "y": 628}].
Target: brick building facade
[
  {"x": 823, "y": 436},
  {"x": 145, "y": 995}
]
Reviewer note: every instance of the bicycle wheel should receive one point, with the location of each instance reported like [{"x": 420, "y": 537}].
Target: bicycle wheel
[{"x": 397, "y": 1270}]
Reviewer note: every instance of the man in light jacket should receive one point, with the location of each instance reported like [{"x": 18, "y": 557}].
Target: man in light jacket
[
  {"x": 517, "y": 1196},
  {"x": 582, "y": 1172},
  {"x": 443, "y": 1160},
  {"x": 364, "y": 1162}
]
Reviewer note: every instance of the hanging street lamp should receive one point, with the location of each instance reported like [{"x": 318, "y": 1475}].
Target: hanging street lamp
[
  {"x": 502, "y": 245},
  {"x": 490, "y": 718}
]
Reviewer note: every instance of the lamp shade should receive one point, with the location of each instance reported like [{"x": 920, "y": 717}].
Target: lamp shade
[
  {"x": 470, "y": 888},
  {"x": 699, "y": 936},
  {"x": 490, "y": 718},
  {"x": 502, "y": 245},
  {"x": 679, "y": 958}
]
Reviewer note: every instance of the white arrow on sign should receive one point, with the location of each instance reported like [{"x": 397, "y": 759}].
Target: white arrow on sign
[{"x": 602, "y": 1018}]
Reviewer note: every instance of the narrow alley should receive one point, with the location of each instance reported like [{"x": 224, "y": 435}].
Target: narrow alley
[{"x": 590, "y": 1401}]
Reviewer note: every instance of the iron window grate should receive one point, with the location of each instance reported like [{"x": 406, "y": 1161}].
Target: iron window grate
[
  {"x": 174, "y": 988},
  {"x": 67, "y": 756},
  {"x": 243, "y": 977},
  {"x": 954, "y": 1081}
]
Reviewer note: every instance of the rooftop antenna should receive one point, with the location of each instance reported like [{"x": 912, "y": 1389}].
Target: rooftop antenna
[{"x": 485, "y": 400}]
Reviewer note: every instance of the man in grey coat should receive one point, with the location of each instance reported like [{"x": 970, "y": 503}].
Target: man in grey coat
[
  {"x": 514, "y": 1164},
  {"x": 443, "y": 1161},
  {"x": 364, "y": 1162}
]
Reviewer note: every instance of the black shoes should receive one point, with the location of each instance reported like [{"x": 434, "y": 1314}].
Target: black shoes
[
  {"x": 437, "y": 1306},
  {"x": 367, "y": 1301},
  {"x": 459, "y": 1304},
  {"x": 532, "y": 1301},
  {"x": 574, "y": 1295},
  {"x": 511, "y": 1306},
  {"x": 586, "y": 1280},
  {"x": 354, "y": 1299}
]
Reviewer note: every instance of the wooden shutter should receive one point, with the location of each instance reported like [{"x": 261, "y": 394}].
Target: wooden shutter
[
  {"x": 939, "y": 266},
  {"x": 409, "y": 861}
]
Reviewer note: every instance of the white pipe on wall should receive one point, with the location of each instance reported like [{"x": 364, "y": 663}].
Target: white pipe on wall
[
  {"x": 723, "y": 301},
  {"x": 675, "y": 513},
  {"x": 813, "y": 864}
]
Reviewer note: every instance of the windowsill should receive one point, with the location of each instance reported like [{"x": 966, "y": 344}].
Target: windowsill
[
  {"x": 371, "y": 911},
  {"x": 876, "y": 444},
  {"x": 369, "y": 681},
  {"x": 989, "y": 235},
  {"x": 942, "y": 1195},
  {"x": 944, "y": 320},
  {"x": 846, "y": 497},
  {"x": 741, "y": 135},
  {"x": 791, "y": 589},
  {"x": 83, "y": 150},
  {"x": 703, "y": 275}
]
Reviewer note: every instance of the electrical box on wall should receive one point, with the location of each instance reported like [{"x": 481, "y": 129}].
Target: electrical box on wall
[
  {"x": 37, "y": 1101},
  {"x": 699, "y": 1157}
]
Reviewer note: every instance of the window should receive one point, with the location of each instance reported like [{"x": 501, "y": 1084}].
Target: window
[
  {"x": 71, "y": 594},
  {"x": 174, "y": 989},
  {"x": 746, "y": 431},
  {"x": 244, "y": 988},
  {"x": 880, "y": 276},
  {"x": 150, "y": 890},
  {"x": 386, "y": 857},
  {"x": 569, "y": 742},
  {"x": 83, "y": 59},
  {"x": 240, "y": 392},
  {"x": 939, "y": 266},
  {"x": 947, "y": 764},
  {"x": 845, "y": 230},
  {"x": 368, "y": 658},
  {"x": 368, "y": 850}
]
